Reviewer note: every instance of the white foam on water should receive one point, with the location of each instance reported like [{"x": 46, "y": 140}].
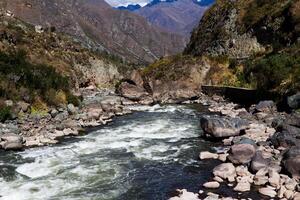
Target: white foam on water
[{"x": 60, "y": 170}]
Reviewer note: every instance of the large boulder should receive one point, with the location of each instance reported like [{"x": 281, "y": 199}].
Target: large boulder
[
  {"x": 291, "y": 161},
  {"x": 241, "y": 153},
  {"x": 132, "y": 91},
  {"x": 259, "y": 162},
  {"x": 11, "y": 141},
  {"x": 294, "y": 101},
  {"x": 266, "y": 106},
  {"x": 288, "y": 131},
  {"x": 284, "y": 139},
  {"x": 222, "y": 127}
]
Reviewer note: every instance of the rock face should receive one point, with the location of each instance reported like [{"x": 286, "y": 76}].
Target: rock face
[
  {"x": 221, "y": 21},
  {"x": 171, "y": 82},
  {"x": 239, "y": 30},
  {"x": 98, "y": 25},
  {"x": 241, "y": 153},
  {"x": 132, "y": 91},
  {"x": 221, "y": 127}
]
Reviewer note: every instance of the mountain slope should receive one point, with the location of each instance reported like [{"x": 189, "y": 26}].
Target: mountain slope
[
  {"x": 48, "y": 68},
  {"x": 179, "y": 16},
  {"x": 249, "y": 43},
  {"x": 95, "y": 23}
]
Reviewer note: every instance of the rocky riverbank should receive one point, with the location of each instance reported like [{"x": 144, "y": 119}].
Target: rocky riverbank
[
  {"x": 40, "y": 129},
  {"x": 261, "y": 150},
  {"x": 260, "y": 144}
]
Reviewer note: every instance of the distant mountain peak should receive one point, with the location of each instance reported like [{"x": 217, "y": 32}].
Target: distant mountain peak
[
  {"x": 130, "y": 7},
  {"x": 154, "y": 2},
  {"x": 136, "y": 6},
  {"x": 204, "y": 2}
]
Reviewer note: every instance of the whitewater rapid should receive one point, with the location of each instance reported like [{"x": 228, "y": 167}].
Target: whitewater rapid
[{"x": 112, "y": 162}]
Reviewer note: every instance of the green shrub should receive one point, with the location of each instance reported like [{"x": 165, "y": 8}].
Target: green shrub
[
  {"x": 72, "y": 99},
  {"x": 278, "y": 72},
  {"x": 17, "y": 75},
  {"x": 5, "y": 113}
]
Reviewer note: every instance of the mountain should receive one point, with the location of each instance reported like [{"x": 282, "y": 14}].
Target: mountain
[
  {"x": 251, "y": 43},
  {"x": 97, "y": 24},
  {"x": 178, "y": 16}
]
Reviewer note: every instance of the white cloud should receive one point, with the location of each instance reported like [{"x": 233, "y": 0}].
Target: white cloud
[{"x": 116, "y": 3}]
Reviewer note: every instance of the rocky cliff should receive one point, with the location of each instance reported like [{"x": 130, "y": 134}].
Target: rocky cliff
[
  {"x": 241, "y": 29},
  {"x": 96, "y": 24}
]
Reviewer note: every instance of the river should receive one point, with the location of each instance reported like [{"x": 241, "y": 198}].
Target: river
[{"x": 145, "y": 155}]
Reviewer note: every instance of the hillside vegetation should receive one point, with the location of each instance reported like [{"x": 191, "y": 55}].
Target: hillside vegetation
[{"x": 47, "y": 69}]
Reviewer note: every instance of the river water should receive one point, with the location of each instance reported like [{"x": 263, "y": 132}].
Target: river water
[{"x": 145, "y": 155}]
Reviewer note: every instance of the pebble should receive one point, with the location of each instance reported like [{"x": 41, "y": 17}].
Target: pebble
[
  {"x": 207, "y": 155},
  {"x": 218, "y": 179},
  {"x": 212, "y": 185},
  {"x": 267, "y": 192}
]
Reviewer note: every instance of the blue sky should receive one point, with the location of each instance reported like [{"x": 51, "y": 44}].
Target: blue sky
[{"x": 115, "y": 3}]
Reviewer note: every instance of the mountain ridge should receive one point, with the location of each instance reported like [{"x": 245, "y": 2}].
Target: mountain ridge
[
  {"x": 179, "y": 16},
  {"x": 98, "y": 25}
]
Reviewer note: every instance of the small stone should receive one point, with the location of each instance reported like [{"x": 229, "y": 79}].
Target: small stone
[
  {"x": 218, "y": 179},
  {"x": 281, "y": 191},
  {"x": 225, "y": 171},
  {"x": 274, "y": 179},
  {"x": 288, "y": 194},
  {"x": 54, "y": 112},
  {"x": 242, "y": 186},
  {"x": 227, "y": 141},
  {"x": 262, "y": 172},
  {"x": 242, "y": 171},
  {"x": 260, "y": 180},
  {"x": 267, "y": 192},
  {"x": 290, "y": 184},
  {"x": 207, "y": 155},
  {"x": 297, "y": 196},
  {"x": 223, "y": 157},
  {"x": 185, "y": 195},
  {"x": 23, "y": 106},
  {"x": 212, "y": 185},
  {"x": 71, "y": 109},
  {"x": 9, "y": 103},
  {"x": 213, "y": 195}
]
